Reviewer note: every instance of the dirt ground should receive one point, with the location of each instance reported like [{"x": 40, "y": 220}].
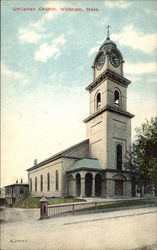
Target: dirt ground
[{"x": 118, "y": 230}]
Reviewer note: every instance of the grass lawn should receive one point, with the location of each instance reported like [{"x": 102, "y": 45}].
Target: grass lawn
[
  {"x": 33, "y": 202},
  {"x": 59, "y": 200},
  {"x": 29, "y": 202}
]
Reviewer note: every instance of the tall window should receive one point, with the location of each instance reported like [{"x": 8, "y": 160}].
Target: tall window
[
  {"x": 119, "y": 157},
  {"x": 30, "y": 184},
  {"x": 57, "y": 177},
  {"x": 116, "y": 98},
  {"x": 41, "y": 183},
  {"x": 98, "y": 101},
  {"x": 7, "y": 191},
  {"x": 48, "y": 182},
  {"x": 35, "y": 184},
  {"x": 21, "y": 190}
]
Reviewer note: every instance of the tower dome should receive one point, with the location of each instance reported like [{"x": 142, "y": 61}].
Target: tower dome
[{"x": 108, "y": 45}]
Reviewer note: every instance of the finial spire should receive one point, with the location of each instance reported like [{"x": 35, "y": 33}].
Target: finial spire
[{"x": 108, "y": 31}]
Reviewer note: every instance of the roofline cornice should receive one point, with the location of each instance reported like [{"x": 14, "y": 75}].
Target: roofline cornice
[
  {"x": 99, "y": 170},
  {"x": 85, "y": 169},
  {"x": 108, "y": 74},
  {"x": 110, "y": 109}
]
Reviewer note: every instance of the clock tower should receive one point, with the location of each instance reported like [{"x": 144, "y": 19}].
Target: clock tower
[{"x": 109, "y": 123}]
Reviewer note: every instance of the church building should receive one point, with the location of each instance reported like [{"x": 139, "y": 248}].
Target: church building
[{"x": 95, "y": 166}]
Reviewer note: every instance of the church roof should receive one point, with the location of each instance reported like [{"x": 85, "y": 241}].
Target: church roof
[
  {"x": 108, "y": 45},
  {"x": 85, "y": 164},
  {"x": 64, "y": 153}
]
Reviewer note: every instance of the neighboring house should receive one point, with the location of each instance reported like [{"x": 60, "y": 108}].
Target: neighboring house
[
  {"x": 2, "y": 196},
  {"x": 94, "y": 167},
  {"x": 16, "y": 192},
  {"x": 2, "y": 193}
]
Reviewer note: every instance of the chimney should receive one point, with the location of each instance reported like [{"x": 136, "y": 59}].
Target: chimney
[
  {"x": 17, "y": 181},
  {"x": 21, "y": 180},
  {"x": 35, "y": 162}
]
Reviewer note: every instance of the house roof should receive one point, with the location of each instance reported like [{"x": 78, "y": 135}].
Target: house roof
[
  {"x": 17, "y": 184},
  {"x": 85, "y": 164},
  {"x": 59, "y": 155}
]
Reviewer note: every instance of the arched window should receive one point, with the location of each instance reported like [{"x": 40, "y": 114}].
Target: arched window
[
  {"x": 35, "y": 184},
  {"x": 57, "y": 177},
  {"x": 41, "y": 183},
  {"x": 116, "y": 98},
  {"x": 119, "y": 157},
  {"x": 30, "y": 184},
  {"x": 48, "y": 182},
  {"x": 98, "y": 101}
]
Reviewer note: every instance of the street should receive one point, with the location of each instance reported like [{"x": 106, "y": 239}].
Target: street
[{"x": 128, "y": 229}]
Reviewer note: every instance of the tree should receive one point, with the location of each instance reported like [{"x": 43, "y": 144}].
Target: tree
[{"x": 142, "y": 157}]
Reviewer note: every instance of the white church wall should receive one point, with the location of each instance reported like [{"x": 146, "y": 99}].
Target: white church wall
[
  {"x": 96, "y": 132},
  {"x": 118, "y": 132},
  {"x": 127, "y": 187},
  {"x": 44, "y": 170},
  {"x": 110, "y": 187},
  {"x": 72, "y": 187},
  {"x": 67, "y": 162}
]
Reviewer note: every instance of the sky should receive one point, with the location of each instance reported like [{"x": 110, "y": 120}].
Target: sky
[{"x": 46, "y": 59}]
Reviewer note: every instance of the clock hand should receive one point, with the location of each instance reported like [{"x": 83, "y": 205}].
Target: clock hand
[{"x": 113, "y": 58}]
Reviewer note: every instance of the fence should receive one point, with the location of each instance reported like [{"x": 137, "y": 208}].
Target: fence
[
  {"x": 65, "y": 208},
  {"x": 54, "y": 210}
]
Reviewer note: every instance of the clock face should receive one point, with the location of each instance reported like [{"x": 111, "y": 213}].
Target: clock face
[
  {"x": 114, "y": 59},
  {"x": 100, "y": 61}
]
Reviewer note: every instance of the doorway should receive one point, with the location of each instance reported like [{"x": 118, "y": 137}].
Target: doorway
[
  {"x": 78, "y": 185},
  {"x": 118, "y": 187},
  {"x": 98, "y": 184},
  {"x": 88, "y": 184}
]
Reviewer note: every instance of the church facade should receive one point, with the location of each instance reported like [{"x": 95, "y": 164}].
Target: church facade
[{"x": 95, "y": 166}]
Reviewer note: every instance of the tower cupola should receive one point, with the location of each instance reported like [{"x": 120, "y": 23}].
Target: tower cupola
[{"x": 108, "y": 58}]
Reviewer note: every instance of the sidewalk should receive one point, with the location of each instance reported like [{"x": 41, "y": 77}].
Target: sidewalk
[{"x": 130, "y": 229}]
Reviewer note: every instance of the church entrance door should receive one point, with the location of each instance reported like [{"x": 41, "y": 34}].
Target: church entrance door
[
  {"x": 98, "y": 184},
  {"x": 118, "y": 187},
  {"x": 78, "y": 185},
  {"x": 88, "y": 184}
]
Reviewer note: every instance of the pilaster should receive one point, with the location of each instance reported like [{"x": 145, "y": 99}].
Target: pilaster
[
  {"x": 74, "y": 186},
  {"x": 93, "y": 187},
  {"x": 82, "y": 187}
]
